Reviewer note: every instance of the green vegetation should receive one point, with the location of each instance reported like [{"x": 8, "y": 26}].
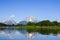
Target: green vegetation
[{"x": 1, "y": 24}]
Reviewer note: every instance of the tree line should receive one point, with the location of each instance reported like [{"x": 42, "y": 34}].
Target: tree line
[
  {"x": 40, "y": 23},
  {"x": 43, "y": 23}
]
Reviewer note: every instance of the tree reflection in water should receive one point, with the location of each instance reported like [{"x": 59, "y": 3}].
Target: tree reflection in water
[{"x": 28, "y": 35}]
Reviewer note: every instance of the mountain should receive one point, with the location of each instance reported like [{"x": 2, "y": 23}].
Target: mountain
[
  {"x": 28, "y": 19},
  {"x": 9, "y": 22},
  {"x": 31, "y": 19},
  {"x": 23, "y": 22}
]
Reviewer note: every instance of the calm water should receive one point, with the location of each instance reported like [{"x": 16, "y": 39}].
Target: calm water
[{"x": 22, "y": 34}]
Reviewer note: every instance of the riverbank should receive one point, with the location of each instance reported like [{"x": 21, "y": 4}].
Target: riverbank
[
  {"x": 31, "y": 27},
  {"x": 40, "y": 29}
]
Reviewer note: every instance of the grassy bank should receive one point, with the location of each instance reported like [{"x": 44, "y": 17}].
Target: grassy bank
[
  {"x": 32, "y": 27},
  {"x": 39, "y": 29}
]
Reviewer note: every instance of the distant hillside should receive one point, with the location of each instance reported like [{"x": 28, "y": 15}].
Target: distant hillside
[
  {"x": 2, "y": 24},
  {"x": 23, "y": 22}
]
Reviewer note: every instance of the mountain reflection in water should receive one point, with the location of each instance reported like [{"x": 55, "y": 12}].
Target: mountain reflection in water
[{"x": 23, "y": 34}]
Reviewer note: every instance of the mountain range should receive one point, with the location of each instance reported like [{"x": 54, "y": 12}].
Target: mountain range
[{"x": 11, "y": 21}]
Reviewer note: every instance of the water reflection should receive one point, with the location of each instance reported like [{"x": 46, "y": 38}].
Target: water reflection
[
  {"x": 31, "y": 36},
  {"x": 28, "y": 35},
  {"x": 23, "y": 34},
  {"x": 12, "y": 34}
]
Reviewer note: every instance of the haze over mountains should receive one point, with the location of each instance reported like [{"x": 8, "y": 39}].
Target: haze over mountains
[{"x": 11, "y": 20}]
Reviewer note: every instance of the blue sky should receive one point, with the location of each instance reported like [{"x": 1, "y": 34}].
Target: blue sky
[{"x": 41, "y": 9}]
